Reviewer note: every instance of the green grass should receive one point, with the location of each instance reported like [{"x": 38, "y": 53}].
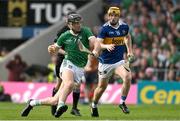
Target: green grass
[{"x": 10, "y": 111}]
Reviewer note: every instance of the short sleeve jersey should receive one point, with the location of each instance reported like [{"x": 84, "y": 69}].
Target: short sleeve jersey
[
  {"x": 115, "y": 36},
  {"x": 70, "y": 44}
]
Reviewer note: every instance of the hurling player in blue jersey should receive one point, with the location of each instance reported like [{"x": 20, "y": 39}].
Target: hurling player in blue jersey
[{"x": 115, "y": 40}]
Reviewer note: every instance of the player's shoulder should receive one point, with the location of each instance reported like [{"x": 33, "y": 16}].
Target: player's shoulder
[
  {"x": 123, "y": 23},
  {"x": 105, "y": 25},
  {"x": 65, "y": 34},
  {"x": 85, "y": 28}
]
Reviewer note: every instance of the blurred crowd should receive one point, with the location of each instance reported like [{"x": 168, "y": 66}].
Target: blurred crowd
[{"x": 155, "y": 29}]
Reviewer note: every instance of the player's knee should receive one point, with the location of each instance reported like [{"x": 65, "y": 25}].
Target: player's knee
[
  {"x": 128, "y": 78},
  {"x": 102, "y": 87},
  {"x": 70, "y": 84}
]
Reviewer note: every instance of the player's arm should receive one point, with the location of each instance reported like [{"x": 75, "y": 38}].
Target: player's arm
[
  {"x": 109, "y": 47},
  {"x": 56, "y": 47},
  {"x": 100, "y": 38},
  {"x": 53, "y": 49},
  {"x": 89, "y": 64},
  {"x": 95, "y": 44},
  {"x": 128, "y": 43},
  {"x": 61, "y": 51},
  {"x": 92, "y": 41}
]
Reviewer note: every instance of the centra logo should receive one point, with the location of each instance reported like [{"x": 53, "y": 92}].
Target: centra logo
[{"x": 152, "y": 95}]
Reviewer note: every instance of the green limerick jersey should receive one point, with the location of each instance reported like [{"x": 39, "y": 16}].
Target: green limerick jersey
[{"x": 70, "y": 44}]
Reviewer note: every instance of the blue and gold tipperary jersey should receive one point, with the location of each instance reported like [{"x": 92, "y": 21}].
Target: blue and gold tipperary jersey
[{"x": 111, "y": 35}]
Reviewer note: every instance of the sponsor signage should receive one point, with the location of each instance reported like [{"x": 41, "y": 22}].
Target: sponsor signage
[
  {"x": 159, "y": 93},
  {"x": 21, "y": 92},
  {"x": 35, "y": 13}
]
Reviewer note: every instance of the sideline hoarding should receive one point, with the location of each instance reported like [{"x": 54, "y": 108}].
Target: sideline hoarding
[
  {"x": 33, "y": 16},
  {"x": 158, "y": 93},
  {"x": 22, "y": 91}
]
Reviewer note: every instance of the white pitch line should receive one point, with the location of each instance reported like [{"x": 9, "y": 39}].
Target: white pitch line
[{"x": 90, "y": 120}]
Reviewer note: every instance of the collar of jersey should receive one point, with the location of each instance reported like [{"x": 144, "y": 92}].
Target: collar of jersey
[
  {"x": 119, "y": 23},
  {"x": 73, "y": 33}
]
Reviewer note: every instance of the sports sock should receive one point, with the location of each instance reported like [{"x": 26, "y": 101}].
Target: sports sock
[
  {"x": 76, "y": 95},
  {"x": 60, "y": 104},
  {"x": 94, "y": 105},
  {"x": 123, "y": 98},
  {"x": 35, "y": 102}
]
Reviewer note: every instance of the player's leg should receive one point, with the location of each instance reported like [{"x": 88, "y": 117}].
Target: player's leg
[
  {"x": 105, "y": 71},
  {"x": 76, "y": 95},
  {"x": 90, "y": 85},
  {"x": 68, "y": 82},
  {"x": 55, "y": 89},
  {"x": 78, "y": 75},
  {"x": 86, "y": 93},
  {"x": 126, "y": 77},
  {"x": 35, "y": 102},
  {"x": 60, "y": 58},
  {"x": 102, "y": 84},
  {"x": 46, "y": 101}
]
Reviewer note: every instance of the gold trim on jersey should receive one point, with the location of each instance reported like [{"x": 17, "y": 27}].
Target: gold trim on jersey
[{"x": 114, "y": 40}]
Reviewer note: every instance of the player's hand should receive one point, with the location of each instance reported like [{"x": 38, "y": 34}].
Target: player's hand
[
  {"x": 110, "y": 47},
  {"x": 52, "y": 49},
  {"x": 131, "y": 58},
  {"x": 95, "y": 53}
]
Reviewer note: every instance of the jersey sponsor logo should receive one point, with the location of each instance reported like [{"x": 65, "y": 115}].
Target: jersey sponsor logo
[
  {"x": 124, "y": 32},
  {"x": 111, "y": 32},
  {"x": 114, "y": 40},
  {"x": 68, "y": 40},
  {"x": 118, "y": 33}
]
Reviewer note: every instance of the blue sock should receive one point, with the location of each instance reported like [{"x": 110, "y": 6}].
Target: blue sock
[{"x": 123, "y": 98}]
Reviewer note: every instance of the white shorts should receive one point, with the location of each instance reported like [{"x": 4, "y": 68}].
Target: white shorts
[
  {"x": 77, "y": 71},
  {"x": 106, "y": 70}
]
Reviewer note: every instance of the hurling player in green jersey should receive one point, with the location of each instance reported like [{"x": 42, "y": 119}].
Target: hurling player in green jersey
[
  {"x": 76, "y": 91},
  {"x": 72, "y": 67}
]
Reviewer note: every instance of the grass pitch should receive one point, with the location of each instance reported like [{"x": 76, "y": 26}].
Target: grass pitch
[{"x": 10, "y": 111}]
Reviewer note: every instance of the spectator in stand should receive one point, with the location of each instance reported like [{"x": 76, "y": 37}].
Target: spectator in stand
[
  {"x": 3, "y": 96},
  {"x": 3, "y": 53},
  {"x": 149, "y": 74},
  {"x": 51, "y": 66},
  {"x": 16, "y": 68}
]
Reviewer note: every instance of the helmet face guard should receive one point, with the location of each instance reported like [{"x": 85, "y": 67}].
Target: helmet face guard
[
  {"x": 74, "y": 18},
  {"x": 114, "y": 10}
]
